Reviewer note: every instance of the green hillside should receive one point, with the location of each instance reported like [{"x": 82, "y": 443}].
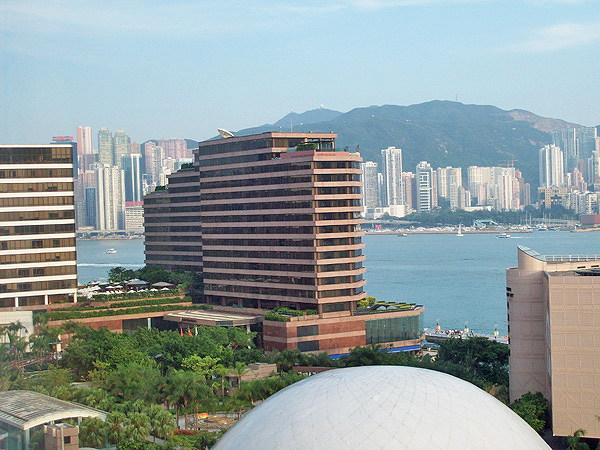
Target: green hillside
[{"x": 440, "y": 132}]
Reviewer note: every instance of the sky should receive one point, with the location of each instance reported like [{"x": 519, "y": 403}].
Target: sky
[{"x": 182, "y": 69}]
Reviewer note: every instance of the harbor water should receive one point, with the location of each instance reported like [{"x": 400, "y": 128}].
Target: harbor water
[{"x": 459, "y": 280}]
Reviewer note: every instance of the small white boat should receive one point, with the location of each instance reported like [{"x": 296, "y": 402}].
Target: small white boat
[
  {"x": 503, "y": 236},
  {"x": 110, "y": 251},
  {"x": 459, "y": 233}
]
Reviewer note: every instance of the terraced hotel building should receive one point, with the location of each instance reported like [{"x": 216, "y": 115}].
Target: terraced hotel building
[
  {"x": 270, "y": 220},
  {"x": 38, "y": 264}
]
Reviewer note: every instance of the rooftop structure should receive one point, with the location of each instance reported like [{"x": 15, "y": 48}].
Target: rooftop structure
[
  {"x": 554, "y": 328},
  {"x": 384, "y": 407},
  {"x": 20, "y": 411}
]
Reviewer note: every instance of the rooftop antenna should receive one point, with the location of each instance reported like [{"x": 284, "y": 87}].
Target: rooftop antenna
[{"x": 224, "y": 133}]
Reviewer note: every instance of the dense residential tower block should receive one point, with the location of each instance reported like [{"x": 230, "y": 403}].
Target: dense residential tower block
[
  {"x": 273, "y": 220},
  {"x": 552, "y": 173},
  {"x": 391, "y": 167},
  {"x": 38, "y": 264},
  {"x": 554, "y": 327}
]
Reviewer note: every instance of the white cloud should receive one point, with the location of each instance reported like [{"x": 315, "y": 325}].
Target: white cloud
[{"x": 559, "y": 37}]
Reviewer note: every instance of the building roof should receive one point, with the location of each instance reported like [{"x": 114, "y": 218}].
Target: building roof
[
  {"x": 28, "y": 409},
  {"x": 385, "y": 407},
  {"x": 212, "y": 318}
]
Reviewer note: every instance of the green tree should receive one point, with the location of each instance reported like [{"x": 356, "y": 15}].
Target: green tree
[
  {"x": 533, "y": 409},
  {"x": 574, "y": 442},
  {"x": 118, "y": 275},
  {"x": 138, "y": 426},
  {"x": 162, "y": 422},
  {"x": 202, "y": 365},
  {"x": 92, "y": 432},
  {"x": 115, "y": 427}
]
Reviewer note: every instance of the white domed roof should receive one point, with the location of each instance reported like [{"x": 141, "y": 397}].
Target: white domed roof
[{"x": 382, "y": 407}]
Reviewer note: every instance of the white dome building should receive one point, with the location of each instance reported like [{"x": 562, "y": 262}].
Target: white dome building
[{"x": 382, "y": 407}]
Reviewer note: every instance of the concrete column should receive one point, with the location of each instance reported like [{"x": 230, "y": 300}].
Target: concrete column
[
  {"x": 248, "y": 328},
  {"x": 26, "y": 439},
  {"x": 149, "y": 323},
  {"x": 45, "y": 299},
  {"x": 16, "y": 302}
]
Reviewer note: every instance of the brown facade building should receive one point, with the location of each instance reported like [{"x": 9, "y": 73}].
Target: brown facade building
[
  {"x": 270, "y": 220},
  {"x": 554, "y": 329},
  {"x": 38, "y": 264}
]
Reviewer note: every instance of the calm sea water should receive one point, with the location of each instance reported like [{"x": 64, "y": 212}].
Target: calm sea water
[{"x": 458, "y": 279}]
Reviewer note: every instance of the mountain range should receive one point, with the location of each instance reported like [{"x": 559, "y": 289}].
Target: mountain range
[{"x": 444, "y": 133}]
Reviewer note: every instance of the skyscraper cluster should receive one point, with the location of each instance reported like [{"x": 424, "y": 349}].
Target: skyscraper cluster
[
  {"x": 569, "y": 170},
  {"x": 390, "y": 190},
  {"x": 113, "y": 178}
]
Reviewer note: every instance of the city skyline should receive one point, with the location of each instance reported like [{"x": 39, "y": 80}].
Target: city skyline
[{"x": 184, "y": 58}]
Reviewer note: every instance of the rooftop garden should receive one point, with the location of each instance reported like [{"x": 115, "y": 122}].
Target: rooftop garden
[{"x": 284, "y": 314}]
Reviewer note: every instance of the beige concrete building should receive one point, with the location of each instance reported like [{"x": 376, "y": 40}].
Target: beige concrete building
[{"x": 554, "y": 329}]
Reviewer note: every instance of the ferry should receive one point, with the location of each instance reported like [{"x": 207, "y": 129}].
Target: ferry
[
  {"x": 503, "y": 235},
  {"x": 110, "y": 251}
]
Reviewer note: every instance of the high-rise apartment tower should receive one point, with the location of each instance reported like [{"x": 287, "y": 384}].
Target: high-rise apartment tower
[{"x": 38, "y": 264}]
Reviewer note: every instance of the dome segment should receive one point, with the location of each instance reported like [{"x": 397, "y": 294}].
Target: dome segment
[{"x": 382, "y": 407}]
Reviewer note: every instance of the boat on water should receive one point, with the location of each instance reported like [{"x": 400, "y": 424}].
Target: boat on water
[
  {"x": 110, "y": 251},
  {"x": 459, "y": 232},
  {"x": 402, "y": 234},
  {"x": 503, "y": 236}
]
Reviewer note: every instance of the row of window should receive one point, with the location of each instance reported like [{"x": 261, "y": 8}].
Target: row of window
[
  {"x": 38, "y": 229},
  {"x": 173, "y": 219},
  {"x": 37, "y": 243},
  {"x": 287, "y": 192},
  {"x": 260, "y": 290},
  {"x": 281, "y": 242},
  {"x": 309, "y": 255},
  {"x": 207, "y": 229},
  {"x": 36, "y": 173},
  {"x": 274, "y": 279},
  {"x": 151, "y": 200},
  {"x": 174, "y": 248},
  {"x": 270, "y": 267},
  {"x": 37, "y": 272},
  {"x": 257, "y": 157},
  {"x": 35, "y": 187},
  {"x": 38, "y": 257},
  {"x": 38, "y": 201},
  {"x": 36, "y": 215},
  {"x": 190, "y": 258},
  {"x": 40, "y": 155},
  {"x": 38, "y": 286},
  {"x": 255, "y": 182}
]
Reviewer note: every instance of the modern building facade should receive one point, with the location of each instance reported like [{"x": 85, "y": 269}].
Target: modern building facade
[
  {"x": 110, "y": 198},
  {"x": 370, "y": 184},
  {"x": 270, "y": 220},
  {"x": 105, "y": 147},
  {"x": 552, "y": 173},
  {"x": 554, "y": 327},
  {"x": 132, "y": 172},
  {"x": 391, "y": 166},
  {"x": 38, "y": 264},
  {"x": 425, "y": 183}
]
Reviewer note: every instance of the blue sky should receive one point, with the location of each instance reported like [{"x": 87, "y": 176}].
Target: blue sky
[{"x": 163, "y": 69}]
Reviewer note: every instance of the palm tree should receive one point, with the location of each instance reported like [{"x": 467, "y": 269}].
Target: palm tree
[
  {"x": 574, "y": 442},
  {"x": 222, "y": 372},
  {"x": 115, "y": 424},
  {"x": 162, "y": 423},
  {"x": 138, "y": 426},
  {"x": 92, "y": 432},
  {"x": 239, "y": 371}
]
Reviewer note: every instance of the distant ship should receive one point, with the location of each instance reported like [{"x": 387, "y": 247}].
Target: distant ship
[
  {"x": 111, "y": 250},
  {"x": 459, "y": 233},
  {"x": 503, "y": 236}
]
